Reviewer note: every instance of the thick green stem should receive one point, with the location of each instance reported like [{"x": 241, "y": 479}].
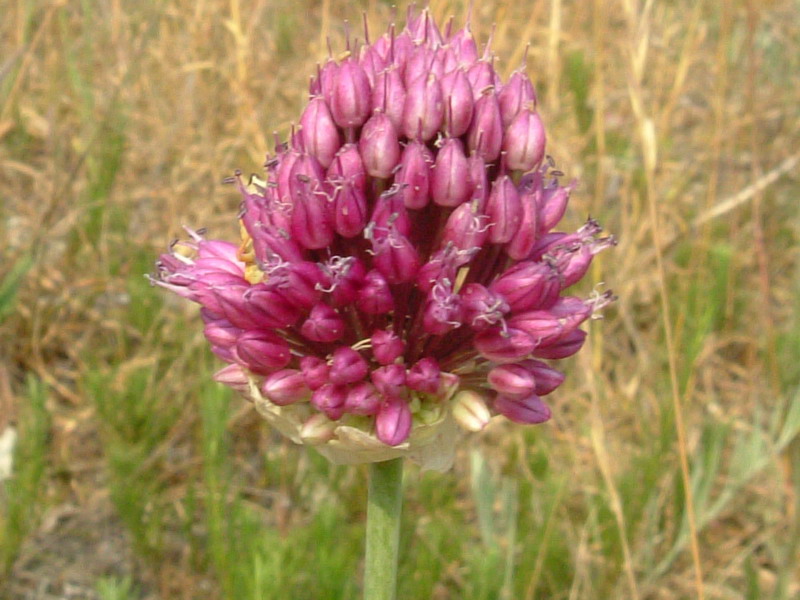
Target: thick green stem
[{"x": 383, "y": 529}]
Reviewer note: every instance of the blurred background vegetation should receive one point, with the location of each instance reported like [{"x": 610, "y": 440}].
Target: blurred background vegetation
[{"x": 136, "y": 477}]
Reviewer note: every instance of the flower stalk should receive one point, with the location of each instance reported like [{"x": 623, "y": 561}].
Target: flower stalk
[{"x": 384, "y": 507}]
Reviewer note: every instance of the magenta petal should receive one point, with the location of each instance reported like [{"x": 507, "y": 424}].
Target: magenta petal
[
  {"x": 424, "y": 376},
  {"x": 285, "y": 387},
  {"x": 393, "y": 422},
  {"x": 564, "y": 347},
  {"x": 512, "y": 380},
  {"x": 362, "y": 399},
  {"x": 262, "y": 351},
  {"x": 347, "y": 366},
  {"x": 316, "y": 371},
  {"x": 527, "y": 411},
  {"x": 504, "y": 346},
  {"x": 330, "y": 399},
  {"x": 386, "y": 346},
  {"x": 323, "y": 324}
]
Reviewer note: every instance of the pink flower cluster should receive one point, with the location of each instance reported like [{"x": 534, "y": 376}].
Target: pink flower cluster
[{"x": 401, "y": 250}]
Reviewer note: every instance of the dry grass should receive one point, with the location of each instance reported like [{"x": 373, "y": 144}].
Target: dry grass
[{"x": 118, "y": 122}]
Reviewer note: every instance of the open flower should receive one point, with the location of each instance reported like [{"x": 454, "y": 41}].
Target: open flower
[{"x": 398, "y": 272}]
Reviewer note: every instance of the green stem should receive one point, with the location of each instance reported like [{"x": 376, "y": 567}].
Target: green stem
[{"x": 383, "y": 529}]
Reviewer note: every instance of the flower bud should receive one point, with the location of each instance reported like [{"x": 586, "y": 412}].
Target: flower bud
[
  {"x": 516, "y": 95},
  {"x": 442, "y": 311},
  {"x": 463, "y": 44},
  {"x": 423, "y": 111},
  {"x": 347, "y": 366},
  {"x": 542, "y": 325},
  {"x": 529, "y": 285},
  {"x": 400, "y": 50},
  {"x": 486, "y": 131},
  {"x": 330, "y": 400},
  {"x": 362, "y": 399},
  {"x": 482, "y": 307},
  {"x": 420, "y": 64},
  {"x": 226, "y": 354},
  {"x": 320, "y": 135},
  {"x": 386, "y": 346},
  {"x": 524, "y": 239},
  {"x": 390, "y": 212},
  {"x": 564, "y": 347},
  {"x": 524, "y": 141},
  {"x": 504, "y": 210},
  {"x": 414, "y": 174},
  {"x": 422, "y": 29},
  {"x": 350, "y": 210},
  {"x": 351, "y": 95},
  {"x": 375, "y": 297},
  {"x": 342, "y": 278},
  {"x": 389, "y": 379},
  {"x": 234, "y": 377},
  {"x": 315, "y": 371},
  {"x": 481, "y": 76},
  {"x": 458, "y": 103},
  {"x": 527, "y": 411},
  {"x": 271, "y": 305},
  {"x": 317, "y": 430},
  {"x": 450, "y": 182},
  {"x": 424, "y": 376},
  {"x": 480, "y": 180},
  {"x": 512, "y": 380},
  {"x": 326, "y": 80},
  {"x": 574, "y": 263},
  {"x": 470, "y": 411},
  {"x": 262, "y": 351},
  {"x": 394, "y": 256},
  {"x": 285, "y": 387},
  {"x": 230, "y": 302},
  {"x": 379, "y": 147},
  {"x": 466, "y": 227},
  {"x": 545, "y": 377},
  {"x": 323, "y": 324},
  {"x": 389, "y": 96},
  {"x": 501, "y": 346},
  {"x": 312, "y": 222},
  {"x": 553, "y": 205},
  {"x": 393, "y": 421},
  {"x": 298, "y": 283},
  {"x": 372, "y": 62},
  {"x": 347, "y": 166},
  {"x": 221, "y": 333}
]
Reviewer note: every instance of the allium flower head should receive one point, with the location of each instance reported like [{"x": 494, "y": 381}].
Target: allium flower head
[{"x": 398, "y": 272}]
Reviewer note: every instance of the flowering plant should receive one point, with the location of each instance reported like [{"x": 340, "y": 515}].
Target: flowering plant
[{"x": 398, "y": 273}]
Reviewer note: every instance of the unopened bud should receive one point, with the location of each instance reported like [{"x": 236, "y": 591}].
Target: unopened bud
[
  {"x": 317, "y": 430},
  {"x": 470, "y": 411},
  {"x": 386, "y": 346},
  {"x": 323, "y": 324},
  {"x": 393, "y": 421},
  {"x": 379, "y": 146},
  {"x": 486, "y": 131},
  {"x": 262, "y": 351},
  {"x": 450, "y": 182},
  {"x": 350, "y": 101},
  {"x": 524, "y": 141},
  {"x": 320, "y": 135},
  {"x": 526, "y": 411},
  {"x": 347, "y": 366},
  {"x": 285, "y": 387},
  {"x": 423, "y": 111}
]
